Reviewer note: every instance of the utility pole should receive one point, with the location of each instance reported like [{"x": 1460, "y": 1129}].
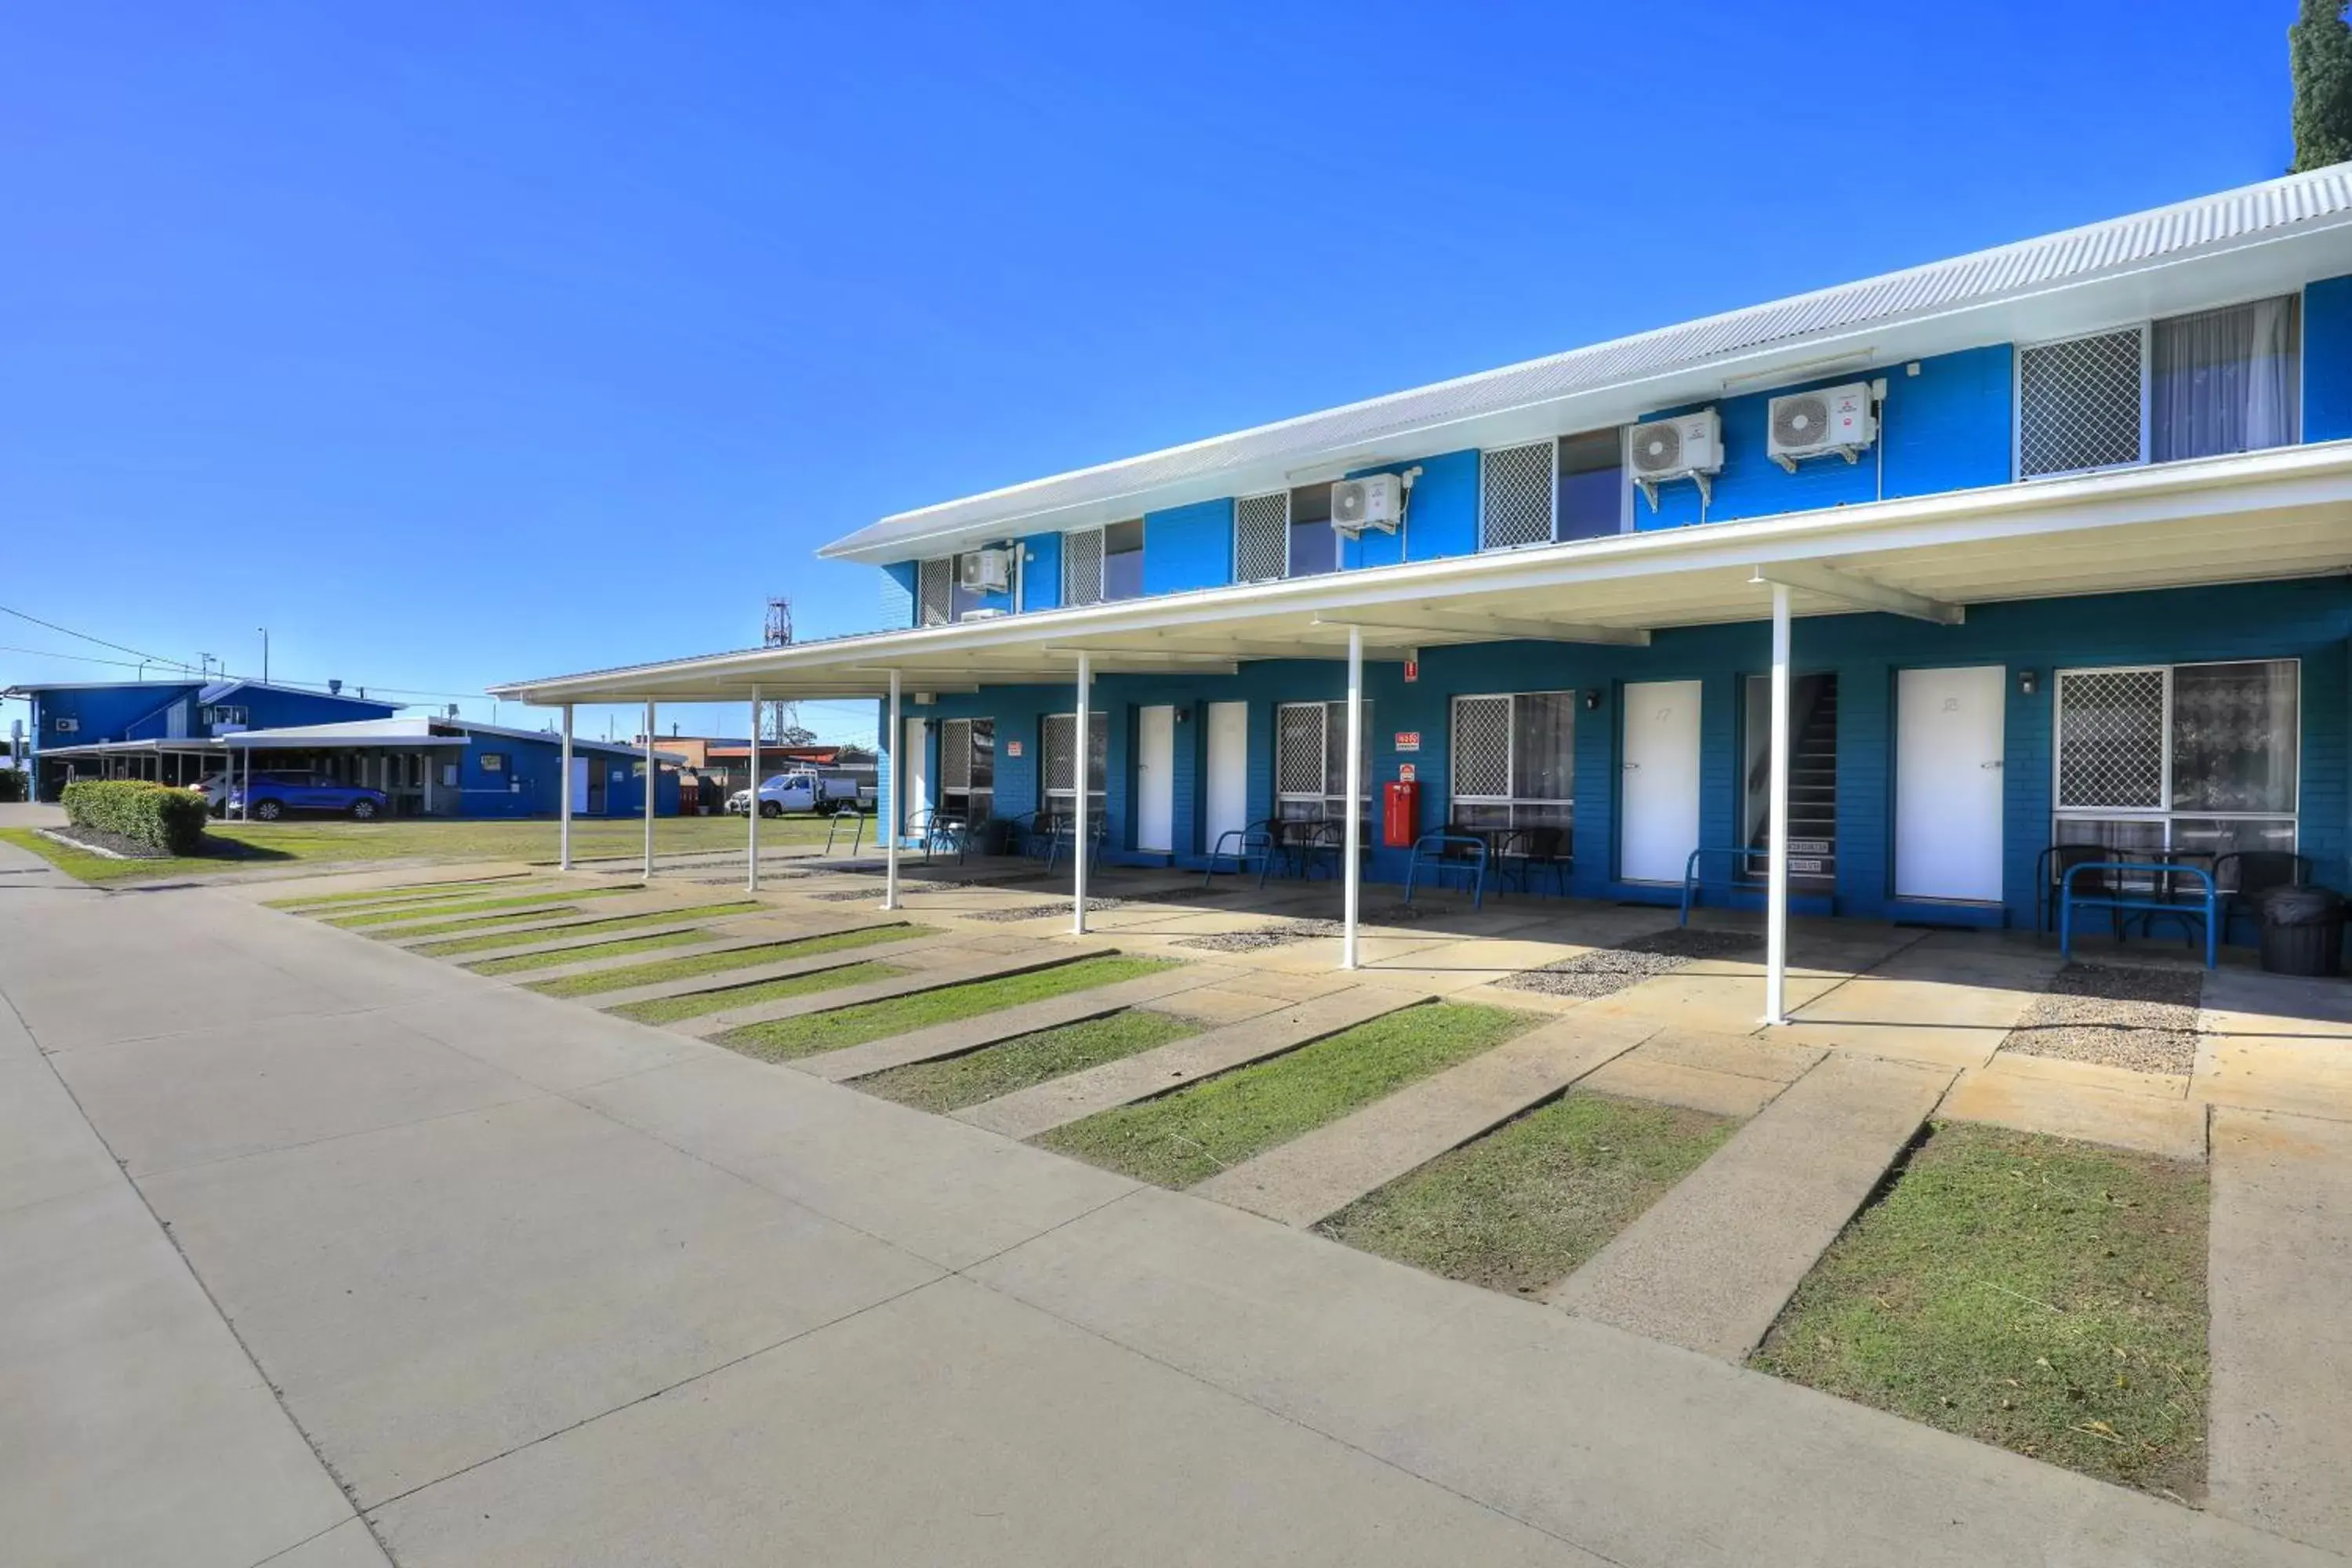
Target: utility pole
[
  {"x": 265, "y": 654},
  {"x": 775, "y": 718},
  {"x": 203, "y": 666}
]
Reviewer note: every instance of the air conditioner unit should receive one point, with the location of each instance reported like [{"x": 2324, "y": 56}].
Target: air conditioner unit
[
  {"x": 984, "y": 571},
  {"x": 1815, "y": 424},
  {"x": 66, "y": 726},
  {"x": 985, "y": 613},
  {"x": 1687, "y": 447},
  {"x": 1375, "y": 502}
]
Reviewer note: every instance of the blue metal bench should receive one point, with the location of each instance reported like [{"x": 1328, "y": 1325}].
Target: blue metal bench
[
  {"x": 1443, "y": 852},
  {"x": 2114, "y": 898}
]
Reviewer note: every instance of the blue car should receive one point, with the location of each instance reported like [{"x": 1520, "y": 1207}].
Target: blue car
[{"x": 268, "y": 797}]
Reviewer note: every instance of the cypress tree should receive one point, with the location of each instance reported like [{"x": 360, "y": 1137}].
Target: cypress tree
[{"x": 2319, "y": 57}]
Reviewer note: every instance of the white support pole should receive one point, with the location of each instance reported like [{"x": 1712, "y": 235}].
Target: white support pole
[
  {"x": 1079, "y": 771},
  {"x": 895, "y": 739},
  {"x": 563, "y": 832},
  {"x": 653, "y": 788},
  {"x": 751, "y": 811},
  {"x": 1776, "y": 893},
  {"x": 1354, "y": 842}
]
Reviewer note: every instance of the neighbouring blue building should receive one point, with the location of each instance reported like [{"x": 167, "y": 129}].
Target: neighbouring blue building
[
  {"x": 2057, "y": 534},
  {"x": 86, "y": 729}
]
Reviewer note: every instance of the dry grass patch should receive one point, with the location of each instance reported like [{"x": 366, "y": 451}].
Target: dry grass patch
[
  {"x": 492, "y": 930},
  {"x": 842, "y": 1026},
  {"x": 692, "y": 965},
  {"x": 1018, "y": 1064}
]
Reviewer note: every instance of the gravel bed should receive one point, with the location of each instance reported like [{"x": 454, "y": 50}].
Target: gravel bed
[
  {"x": 2115, "y": 1016},
  {"x": 1608, "y": 970},
  {"x": 1039, "y": 911},
  {"x": 113, "y": 844},
  {"x": 1264, "y": 937}
]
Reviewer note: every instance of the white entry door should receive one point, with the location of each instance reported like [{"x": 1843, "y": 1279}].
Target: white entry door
[
  {"x": 579, "y": 785},
  {"x": 915, "y": 762},
  {"x": 1155, "y": 779},
  {"x": 1949, "y": 753},
  {"x": 1227, "y": 809},
  {"x": 1660, "y": 826}
]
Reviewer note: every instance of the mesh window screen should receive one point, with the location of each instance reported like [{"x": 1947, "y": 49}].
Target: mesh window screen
[
  {"x": 1515, "y": 495},
  {"x": 1060, "y": 743},
  {"x": 1261, "y": 527},
  {"x": 2078, "y": 404},
  {"x": 1298, "y": 749},
  {"x": 955, "y": 755},
  {"x": 2111, "y": 739},
  {"x": 935, "y": 593},
  {"x": 1482, "y": 748},
  {"x": 1082, "y": 567}
]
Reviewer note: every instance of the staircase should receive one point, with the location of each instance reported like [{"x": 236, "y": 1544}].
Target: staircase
[{"x": 1813, "y": 789}]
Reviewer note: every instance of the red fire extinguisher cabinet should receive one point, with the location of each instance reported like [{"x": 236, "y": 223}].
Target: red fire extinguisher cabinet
[{"x": 1400, "y": 813}]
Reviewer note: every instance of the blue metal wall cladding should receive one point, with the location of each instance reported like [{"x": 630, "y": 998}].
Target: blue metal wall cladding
[
  {"x": 1041, "y": 572},
  {"x": 530, "y": 783},
  {"x": 2327, "y": 360},
  {"x": 898, "y": 596},
  {"x": 2309, "y": 620},
  {"x": 1188, "y": 547}
]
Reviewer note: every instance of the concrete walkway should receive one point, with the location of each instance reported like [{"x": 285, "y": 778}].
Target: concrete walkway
[
  {"x": 1711, "y": 1264},
  {"x": 773, "y": 969},
  {"x": 538, "y": 1286}
]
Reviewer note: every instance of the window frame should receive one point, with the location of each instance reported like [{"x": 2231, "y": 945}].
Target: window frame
[
  {"x": 1335, "y": 726},
  {"x": 947, "y": 563},
  {"x": 1511, "y": 801},
  {"x": 1141, "y": 543},
  {"x": 1049, "y": 795},
  {"x": 1283, "y": 532},
  {"x": 946, "y": 794},
  {"x": 1625, "y": 515}
]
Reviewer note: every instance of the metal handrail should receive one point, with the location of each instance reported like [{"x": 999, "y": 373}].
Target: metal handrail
[
  {"x": 2116, "y": 901},
  {"x": 856, "y": 837},
  {"x": 1690, "y": 870},
  {"x": 1440, "y": 862}
]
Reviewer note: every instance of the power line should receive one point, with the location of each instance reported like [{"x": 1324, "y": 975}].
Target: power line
[{"x": 85, "y": 637}]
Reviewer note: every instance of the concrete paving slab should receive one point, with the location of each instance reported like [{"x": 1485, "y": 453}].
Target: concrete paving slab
[
  {"x": 556, "y": 1044},
  {"x": 1763, "y": 1055},
  {"x": 2280, "y": 1280},
  {"x": 1213, "y": 1007},
  {"x": 547, "y": 908},
  {"x": 427, "y": 1297},
  {"x": 2307, "y": 1077},
  {"x": 1044, "y": 1107},
  {"x": 1924, "y": 1007},
  {"x": 774, "y": 969},
  {"x": 2173, "y": 1127},
  {"x": 1323, "y": 1172},
  {"x": 961, "y": 1036},
  {"x": 46, "y": 1150},
  {"x": 1636, "y": 1076},
  {"x": 1640, "y": 1452},
  {"x": 883, "y": 1441},
  {"x": 943, "y": 1191},
  {"x": 348, "y": 1545},
  {"x": 937, "y": 977},
  {"x": 2248, "y": 1002},
  {"x": 1711, "y": 1264},
  {"x": 582, "y": 920},
  {"x": 246, "y": 1087},
  {"x": 762, "y": 928},
  {"x": 734, "y": 942},
  {"x": 134, "y": 1429},
  {"x": 1707, "y": 998}
]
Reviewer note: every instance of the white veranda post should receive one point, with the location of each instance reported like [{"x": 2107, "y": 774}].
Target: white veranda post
[
  {"x": 1080, "y": 778},
  {"x": 1776, "y": 894},
  {"x": 1353, "y": 848},
  {"x": 894, "y": 735},
  {"x": 653, "y": 788},
  {"x": 751, "y": 810},
  {"x": 563, "y": 832}
]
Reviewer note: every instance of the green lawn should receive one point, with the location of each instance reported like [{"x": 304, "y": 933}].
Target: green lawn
[
  {"x": 1188, "y": 1136},
  {"x": 1522, "y": 1207},
  {"x": 688, "y": 967},
  {"x": 490, "y": 931},
  {"x": 957, "y": 1081},
  {"x": 292, "y": 844},
  {"x": 407, "y": 892},
  {"x": 789, "y": 1037},
  {"x": 2033, "y": 1292},
  {"x": 669, "y": 1009},
  {"x": 618, "y": 948},
  {"x": 565, "y": 897}
]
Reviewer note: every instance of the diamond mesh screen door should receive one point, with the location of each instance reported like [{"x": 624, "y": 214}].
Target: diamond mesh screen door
[
  {"x": 1482, "y": 748},
  {"x": 935, "y": 599},
  {"x": 2079, "y": 403},
  {"x": 955, "y": 755},
  {"x": 1298, "y": 751},
  {"x": 2111, "y": 739},
  {"x": 1082, "y": 567},
  {"x": 1060, "y": 742},
  {"x": 1515, "y": 495},
  {"x": 1262, "y": 537}
]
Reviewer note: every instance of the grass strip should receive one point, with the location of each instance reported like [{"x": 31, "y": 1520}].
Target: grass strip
[
  {"x": 365, "y": 918},
  {"x": 789, "y": 1037},
  {"x": 954, "y": 1082},
  {"x": 669, "y": 1009},
  {"x": 1188, "y": 1136},
  {"x": 2032, "y": 1292},
  {"x": 692, "y": 964},
  {"x": 489, "y": 936},
  {"x": 406, "y": 892},
  {"x": 1522, "y": 1207},
  {"x": 620, "y": 947}
]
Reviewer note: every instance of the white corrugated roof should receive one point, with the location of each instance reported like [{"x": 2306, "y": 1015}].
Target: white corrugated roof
[{"x": 2320, "y": 200}]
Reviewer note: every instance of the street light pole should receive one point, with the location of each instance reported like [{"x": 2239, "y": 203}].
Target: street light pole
[{"x": 265, "y": 654}]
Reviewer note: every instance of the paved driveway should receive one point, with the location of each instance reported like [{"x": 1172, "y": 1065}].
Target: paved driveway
[{"x": 314, "y": 1252}]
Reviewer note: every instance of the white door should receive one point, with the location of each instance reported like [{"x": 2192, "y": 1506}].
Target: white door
[
  {"x": 1155, "y": 780},
  {"x": 1227, "y": 809},
  {"x": 1661, "y": 812},
  {"x": 1949, "y": 748},
  {"x": 579, "y": 785},
  {"x": 915, "y": 780}
]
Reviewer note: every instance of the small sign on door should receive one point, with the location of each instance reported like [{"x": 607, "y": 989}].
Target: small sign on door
[
  {"x": 1408, "y": 740},
  {"x": 1404, "y": 773}
]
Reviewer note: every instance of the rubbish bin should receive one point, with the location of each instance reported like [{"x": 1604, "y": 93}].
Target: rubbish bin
[{"x": 2302, "y": 930}]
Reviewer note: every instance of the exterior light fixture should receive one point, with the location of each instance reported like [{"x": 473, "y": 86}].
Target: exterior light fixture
[
  {"x": 1592, "y": 701},
  {"x": 2027, "y": 683}
]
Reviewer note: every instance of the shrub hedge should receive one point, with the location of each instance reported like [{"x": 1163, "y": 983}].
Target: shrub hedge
[
  {"x": 169, "y": 819},
  {"x": 12, "y": 784}
]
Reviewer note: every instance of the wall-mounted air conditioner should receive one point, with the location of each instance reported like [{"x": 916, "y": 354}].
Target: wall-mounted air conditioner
[
  {"x": 984, "y": 613},
  {"x": 1815, "y": 423},
  {"x": 66, "y": 726},
  {"x": 984, "y": 571},
  {"x": 1374, "y": 503},
  {"x": 1687, "y": 447}
]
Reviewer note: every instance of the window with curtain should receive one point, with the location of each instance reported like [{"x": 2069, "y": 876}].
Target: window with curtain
[
  {"x": 1513, "y": 760},
  {"x": 2197, "y": 757},
  {"x": 2225, "y": 380}
]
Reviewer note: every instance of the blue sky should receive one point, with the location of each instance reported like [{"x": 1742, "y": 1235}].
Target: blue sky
[{"x": 459, "y": 343}]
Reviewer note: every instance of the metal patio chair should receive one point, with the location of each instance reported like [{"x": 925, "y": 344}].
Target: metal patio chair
[{"x": 1238, "y": 845}]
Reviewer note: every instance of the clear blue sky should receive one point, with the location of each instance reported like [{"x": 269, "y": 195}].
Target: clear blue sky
[{"x": 457, "y": 343}]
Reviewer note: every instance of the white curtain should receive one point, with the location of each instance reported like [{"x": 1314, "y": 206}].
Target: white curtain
[{"x": 2224, "y": 381}]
